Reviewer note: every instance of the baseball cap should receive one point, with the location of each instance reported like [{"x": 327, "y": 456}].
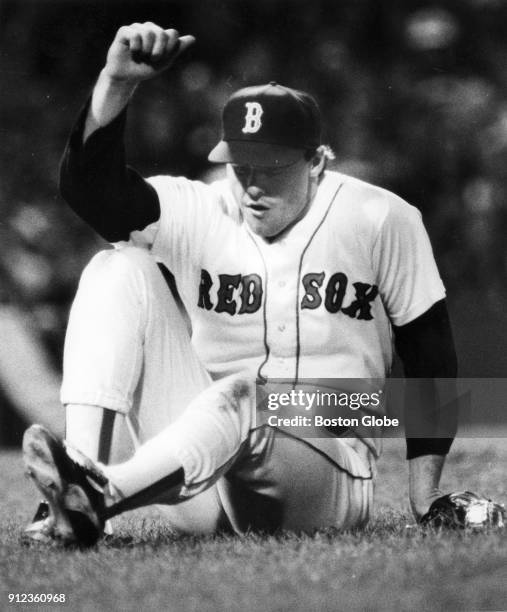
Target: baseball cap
[{"x": 267, "y": 125}]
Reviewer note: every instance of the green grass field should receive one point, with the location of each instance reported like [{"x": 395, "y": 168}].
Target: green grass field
[{"x": 387, "y": 567}]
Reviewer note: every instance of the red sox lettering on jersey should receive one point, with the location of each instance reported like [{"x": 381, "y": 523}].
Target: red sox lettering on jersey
[
  {"x": 318, "y": 301},
  {"x": 242, "y": 294}
]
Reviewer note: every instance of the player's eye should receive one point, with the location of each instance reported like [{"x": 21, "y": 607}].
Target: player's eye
[
  {"x": 246, "y": 173},
  {"x": 270, "y": 172}
]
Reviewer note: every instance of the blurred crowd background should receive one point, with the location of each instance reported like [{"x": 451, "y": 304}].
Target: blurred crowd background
[{"x": 413, "y": 94}]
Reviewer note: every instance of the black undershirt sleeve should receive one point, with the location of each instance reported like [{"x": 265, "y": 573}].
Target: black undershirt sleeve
[
  {"x": 99, "y": 186},
  {"x": 426, "y": 348}
]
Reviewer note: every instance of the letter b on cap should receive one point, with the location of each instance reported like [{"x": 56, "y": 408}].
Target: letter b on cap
[{"x": 253, "y": 117}]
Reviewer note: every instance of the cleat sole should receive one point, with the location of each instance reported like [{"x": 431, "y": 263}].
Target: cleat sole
[{"x": 40, "y": 467}]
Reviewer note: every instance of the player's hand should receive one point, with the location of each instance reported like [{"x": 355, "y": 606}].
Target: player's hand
[{"x": 141, "y": 51}]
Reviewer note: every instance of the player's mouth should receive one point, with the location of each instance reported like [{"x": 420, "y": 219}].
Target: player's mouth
[{"x": 256, "y": 207}]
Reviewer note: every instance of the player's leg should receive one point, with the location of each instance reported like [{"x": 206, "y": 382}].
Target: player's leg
[
  {"x": 304, "y": 484},
  {"x": 285, "y": 482},
  {"x": 201, "y": 445},
  {"x": 128, "y": 354},
  {"x": 179, "y": 463},
  {"x": 127, "y": 347},
  {"x": 267, "y": 478}
]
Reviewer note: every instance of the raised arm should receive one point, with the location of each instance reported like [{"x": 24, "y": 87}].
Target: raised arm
[
  {"x": 94, "y": 177},
  {"x": 139, "y": 52}
]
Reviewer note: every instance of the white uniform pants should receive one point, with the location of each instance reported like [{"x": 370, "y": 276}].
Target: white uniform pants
[{"x": 128, "y": 349}]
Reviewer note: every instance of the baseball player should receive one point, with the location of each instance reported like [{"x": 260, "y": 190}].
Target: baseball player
[{"x": 285, "y": 269}]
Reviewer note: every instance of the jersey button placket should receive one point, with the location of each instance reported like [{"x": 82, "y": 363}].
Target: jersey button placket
[{"x": 281, "y": 330}]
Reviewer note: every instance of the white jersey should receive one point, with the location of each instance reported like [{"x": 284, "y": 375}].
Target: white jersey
[{"x": 316, "y": 303}]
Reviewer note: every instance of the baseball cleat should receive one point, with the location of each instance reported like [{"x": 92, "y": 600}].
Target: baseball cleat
[
  {"x": 40, "y": 530},
  {"x": 73, "y": 487}
]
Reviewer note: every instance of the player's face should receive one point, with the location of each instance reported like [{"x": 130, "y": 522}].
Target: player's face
[{"x": 272, "y": 199}]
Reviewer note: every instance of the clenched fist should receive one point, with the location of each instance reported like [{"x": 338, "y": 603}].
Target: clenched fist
[{"x": 143, "y": 50}]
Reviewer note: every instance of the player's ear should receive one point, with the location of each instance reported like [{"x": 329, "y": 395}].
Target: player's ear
[{"x": 318, "y": 163}]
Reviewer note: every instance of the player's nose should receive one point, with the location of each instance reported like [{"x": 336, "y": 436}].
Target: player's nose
[
  {"x": 253, "y": 185},
  {"x": 254, "y": 192}
]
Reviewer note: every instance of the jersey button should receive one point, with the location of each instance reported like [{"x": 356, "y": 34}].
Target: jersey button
[
  {"x": 281, "y": 283},
  {"x": 281, "y": 327}
]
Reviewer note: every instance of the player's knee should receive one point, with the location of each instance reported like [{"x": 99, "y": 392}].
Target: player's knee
[
  {"x": 236, "y": 395},
  {"x": 118, "y": 268}
]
